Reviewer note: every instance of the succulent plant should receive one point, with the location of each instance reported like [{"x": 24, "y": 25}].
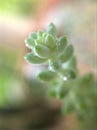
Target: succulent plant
[{"x": 77, "y": 92}]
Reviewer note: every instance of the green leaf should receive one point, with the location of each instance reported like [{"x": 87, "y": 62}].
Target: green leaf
[
  {"x": 40, "y": 32},
  {"x": 62, "y": 42},
  {"x": 39, "y": 35},
  {"x": 86, "y": 79},
  {"x": 68, "y": 74},
  {"x": 51, "y": 29},
  {"x": 67, "y": 106},
  {"x": 67, "y": 54},
  {"x": 29, "y": 42},
  {"x": 64, "y": 89},
  {"x": 42, "y": 51},
  {"x": 54, "y": 65},
  {"x": 50, "y": 41},
  {"x": 44, "y": 35},
  {"x": 71, "y": 64},
  {"x": 32, "y": 58},
  {"x": 47, "y": 75},
  {"x": 38, "y": 41},
  {"x": 52, "y": 92},
  {"x": 33, "y": 35}
]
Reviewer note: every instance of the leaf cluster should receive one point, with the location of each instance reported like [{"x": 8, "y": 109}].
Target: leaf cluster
[{"x": 78, "y": 93}]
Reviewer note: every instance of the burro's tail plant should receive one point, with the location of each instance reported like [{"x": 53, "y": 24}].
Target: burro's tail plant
[{"x": 78, "y": 93}]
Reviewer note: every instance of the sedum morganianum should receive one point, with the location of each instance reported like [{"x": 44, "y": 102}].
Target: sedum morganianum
[{"x": 61, "y": 74}]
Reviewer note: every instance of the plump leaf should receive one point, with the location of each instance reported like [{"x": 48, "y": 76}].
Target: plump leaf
[
  {"x": 51, "y": 29},
  {"x": 67, "y": 106},
  {"x": 52, "y": 92},
  {"x": 86, "y": 79},
  {"x": 44, "y": 35},
  {"x": 38, "y": 41},
  {"x": 32, "y": 58},
  {"x": 71, "y": 64},
  {"x": 68, "y": 74},
  {"x": 39, "y": 33},
  {"x": 62, "y": 42},
  {"x": 29, "y": 42},
  {"x": 50, "y": 41},
  {"x": 42, "y": 51},
  {"x": 47, "y": 75},
  {"x": 67, "y": 54},
  {"x": 33, "y": 35},
  {"x": 65, "y": 88}
]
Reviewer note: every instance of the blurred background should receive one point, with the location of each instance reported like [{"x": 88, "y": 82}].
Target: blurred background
[{"x": 75, "y": 18}]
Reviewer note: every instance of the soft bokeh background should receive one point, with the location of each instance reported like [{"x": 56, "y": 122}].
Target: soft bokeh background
[{"x": 75, "y": 18}]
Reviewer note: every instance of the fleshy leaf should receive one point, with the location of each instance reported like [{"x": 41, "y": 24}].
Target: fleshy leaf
[
  {"x": 71, "y": 64},
  {"x": 42, "y": 51},
  {"x": 68, "y": 74},
  {"x": 39, "y": 35},
  {"x": 50, "y": 41},
  {"x": 67, "y": 54},
  {"x": 40, "y": 32},
  {"x": 63, "y": 91},
  {"x": 51, "y": 29},
  {"x": 62, "y": 42},
  {"x": 67, "y": 106},
  {"x": 44, "y": 35},
  {"x": 47, "y": 75},
  {"x": 32, "y": 58},
  {"x": 33, "y": 35},
  {"x": 86, "y": 79},
  {"x": 38, "y": 41},
  {"x": 29, "y": 42}
]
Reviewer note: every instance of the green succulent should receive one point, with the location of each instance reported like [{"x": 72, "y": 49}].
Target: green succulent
[{"x": 78, "y": 93}]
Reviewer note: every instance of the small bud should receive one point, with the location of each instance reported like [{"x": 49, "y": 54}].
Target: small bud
[
  {"x": 51, "y": 29},
  {"x": 39, "y": 33},
  {"x": 54, "y": 66}
]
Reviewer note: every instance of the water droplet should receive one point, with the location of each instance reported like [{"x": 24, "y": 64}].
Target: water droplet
[{"x": 65, "y": 78}]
